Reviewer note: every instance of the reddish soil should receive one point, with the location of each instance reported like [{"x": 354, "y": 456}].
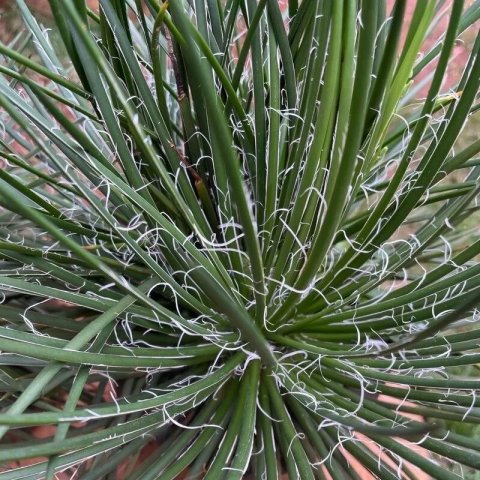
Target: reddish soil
[{"x": 461, "y": 51}]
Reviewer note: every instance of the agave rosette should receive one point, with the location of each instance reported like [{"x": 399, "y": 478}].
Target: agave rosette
[{"x": 232, "y": 231}]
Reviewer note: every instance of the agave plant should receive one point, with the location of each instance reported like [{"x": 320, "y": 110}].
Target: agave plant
[{"x": 235, "y": 244}]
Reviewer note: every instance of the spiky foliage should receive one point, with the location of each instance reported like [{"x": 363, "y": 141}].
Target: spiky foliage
[{"x": 232, "y": 232}]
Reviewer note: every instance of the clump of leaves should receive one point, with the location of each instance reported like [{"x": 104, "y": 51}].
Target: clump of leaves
[{"x": 229, "y": 232}]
